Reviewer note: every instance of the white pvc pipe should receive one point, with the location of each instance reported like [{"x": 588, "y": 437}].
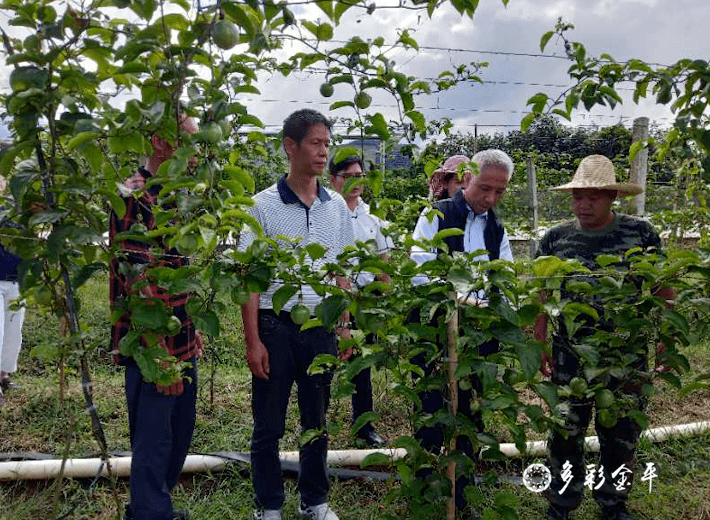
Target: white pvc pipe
[
  {"x": 121, "y": 466},
  {"x": 89, "y": 468}
]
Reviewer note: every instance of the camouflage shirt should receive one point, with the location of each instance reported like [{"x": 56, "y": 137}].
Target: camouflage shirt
[{"x": 569, "y": 240}]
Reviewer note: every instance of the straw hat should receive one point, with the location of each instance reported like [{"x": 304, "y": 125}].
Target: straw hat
[{"x": 597, "y": 172}]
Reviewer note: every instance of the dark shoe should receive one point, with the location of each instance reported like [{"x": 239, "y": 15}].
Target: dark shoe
[
  {"x": 618, "y": 512},
  {"x": 7, "y": 384},
  {"x": 368, "y": 434},
  {"x": 557, "y": 513}
]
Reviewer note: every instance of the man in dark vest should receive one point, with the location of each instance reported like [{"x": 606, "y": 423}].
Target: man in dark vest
[{"x": 471, "y": 210}]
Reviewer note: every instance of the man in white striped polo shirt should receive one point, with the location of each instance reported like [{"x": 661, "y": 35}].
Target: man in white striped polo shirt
[{"x": 278, "y": 352}]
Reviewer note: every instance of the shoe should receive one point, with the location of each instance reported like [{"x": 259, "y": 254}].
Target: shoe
[
  {"x": 368, "y": 434},
  {"x": 558, "y": 513},
  {"x": 319, "y": 512},
  {"x": 617, "y": 512},
  {"x": 7, "y": 384},
  {"x": 267, "y": 514}
]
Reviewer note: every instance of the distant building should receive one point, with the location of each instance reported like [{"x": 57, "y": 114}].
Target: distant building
[{"x": 372, "y": 152}]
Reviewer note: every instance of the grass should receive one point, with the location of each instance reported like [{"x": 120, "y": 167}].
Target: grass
[{"x": 36, "y": 419}]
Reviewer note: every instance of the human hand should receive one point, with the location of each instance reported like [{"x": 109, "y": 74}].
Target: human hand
[
  {"x": 200, "y": 344},
  {"x": 660, "y": 368},
  {"x": 346, "y": 354},
  {"x": 176, "y": 388},
  {"x": 258, "y": 360},
  {"x": 136, "y": 182}
]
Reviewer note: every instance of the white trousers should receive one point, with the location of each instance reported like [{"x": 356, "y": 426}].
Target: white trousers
[{"x": 10, "y": 327}]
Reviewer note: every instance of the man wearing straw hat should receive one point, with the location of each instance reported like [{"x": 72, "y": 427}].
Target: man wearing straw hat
[{"x": 597, "y": 229}]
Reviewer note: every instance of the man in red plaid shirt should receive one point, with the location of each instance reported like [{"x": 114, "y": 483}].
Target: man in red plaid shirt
[{"x": 161, "y": 418}]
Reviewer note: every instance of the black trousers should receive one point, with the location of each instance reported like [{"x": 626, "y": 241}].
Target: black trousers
[
  {"x": 290, "y": 354},
  {"x": 362, "y": 395},
  {"x": 431, "y": 438}
]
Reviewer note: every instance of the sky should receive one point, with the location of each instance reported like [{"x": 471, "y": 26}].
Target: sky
[{"x": 508, "y": 39}]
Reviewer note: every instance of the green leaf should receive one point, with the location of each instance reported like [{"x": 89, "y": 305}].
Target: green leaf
[
  {"x": 574, "y": 309},
  {"x": 677, "y": 320},
  {"x": 332, "y": 309},
  {"x": 376, "y": 459},
  {"x": 607, "y": 260},
  {"x": 635, "y": 148},
  {"x": 529, "y": 357},
  {"x": 527, "y": 121},
  {"x": 538, "y": 102},
  {"x": 407, "y": 41},
  {"x": 315, "y": 250},
  {"x": 341, "y": 104},
  {"x": 562, "y": 113},
  {"x": 546, "y": 266},
  {"x": 81, "y": 139},
  {"x": 545, "y": 38},
  {"x": 150, "y": 315},
  {"x": 446, "y": 233},
  {"x": 326, "y": 6},
  {"x": 47, "y": 216},
  {"x": 548, "y": 391},
  {"x": 695, "y": 386},
  {"x": 323, "y": 31},
  {"x": 207, "y": 322},
  {"x": 378, "y": 126},
  {"x": 340, "y": 8},
  {"x": 343, "y": 153},
  {"x": 282, "y": 295},
  {"x": 240, "y": 175}
]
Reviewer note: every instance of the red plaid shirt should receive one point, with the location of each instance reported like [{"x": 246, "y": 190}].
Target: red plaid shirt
[{"x": 187, "y": 343}]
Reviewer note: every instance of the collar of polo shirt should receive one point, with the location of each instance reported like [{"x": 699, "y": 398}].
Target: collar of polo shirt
[{"x": 289, "y": 197}]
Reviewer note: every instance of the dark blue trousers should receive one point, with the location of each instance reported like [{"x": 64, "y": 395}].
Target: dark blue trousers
[
  {"x": 362, "y": 395},
  {"x": 290, "y": 354},
  {"x": 431, "y": 438},
  {"x": 161, "y": 428}
]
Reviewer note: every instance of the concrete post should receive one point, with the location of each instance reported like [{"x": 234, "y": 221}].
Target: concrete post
[{"x": 639, "y": 165}]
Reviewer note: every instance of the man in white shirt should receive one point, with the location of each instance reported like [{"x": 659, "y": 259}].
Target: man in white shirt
[
  {"x": 365, "y": 227},
  {"x": 471, "y": 210},
  {"x": 278, "y": 351}
]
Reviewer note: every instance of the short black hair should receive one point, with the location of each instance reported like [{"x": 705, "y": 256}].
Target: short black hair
[
  {"x": 334, "y": 168},
  {"x": 296, "y": 125}
]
